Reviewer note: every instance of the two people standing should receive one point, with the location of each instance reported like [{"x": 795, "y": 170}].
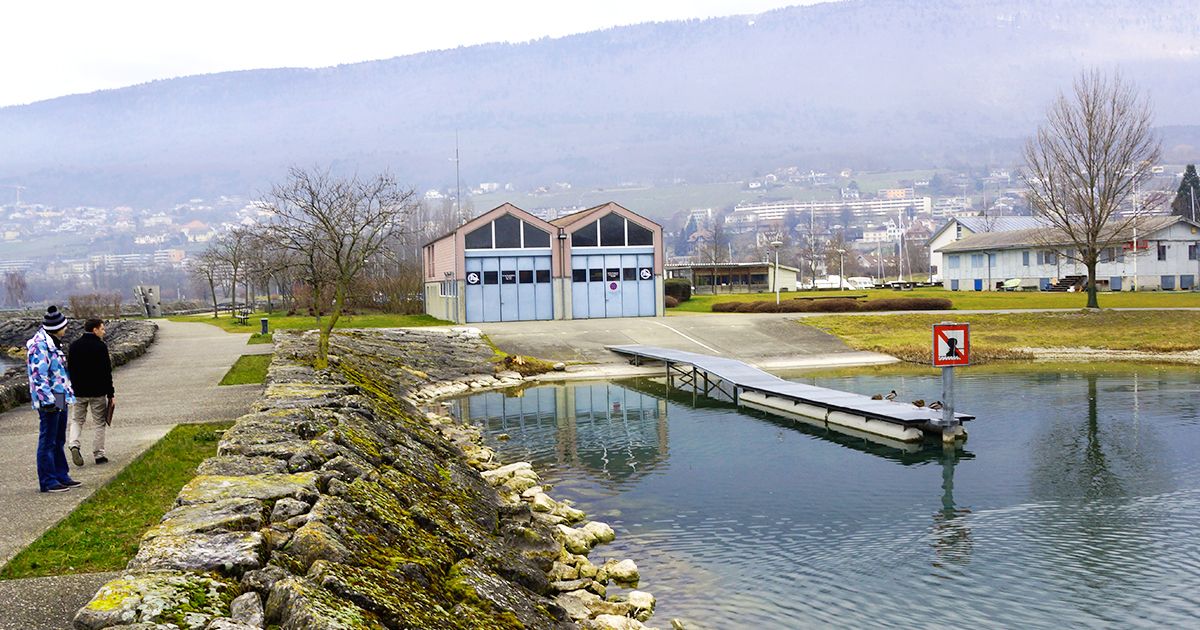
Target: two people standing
[{"x": 52, "y": 374}]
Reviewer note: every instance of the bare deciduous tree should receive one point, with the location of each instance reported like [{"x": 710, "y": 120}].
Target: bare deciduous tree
[
  {"x": 206, "y": 269},
  {"x": 1084, "y": 163},
  {"x": 233, "y": 249},
  {"x": 335, "y": 225}
]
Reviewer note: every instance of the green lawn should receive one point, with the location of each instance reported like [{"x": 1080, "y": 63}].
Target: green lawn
[
  {"x": 248, "y": 369},
  {"x": 993, "y": 336},
  {"x": 102, "y": 534},
  {"x": 975, "y": 300},
  {"x": 279, "y": 321}
]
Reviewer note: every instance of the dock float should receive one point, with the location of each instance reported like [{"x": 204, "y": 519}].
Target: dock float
[{"x": 747, "y": 386}]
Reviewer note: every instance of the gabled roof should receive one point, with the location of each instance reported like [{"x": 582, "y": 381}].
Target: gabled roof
[
  {"x": 590, "y": 214},
  {"x": 1048, "y": 237},
  {"x": 991, "y": 224},
  {"x": 504, "y": 208}
]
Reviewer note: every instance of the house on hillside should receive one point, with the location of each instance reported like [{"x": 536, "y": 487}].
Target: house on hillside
[
  {"x": 1164, "y": 257},
  {"x": 959, "y": 227}
]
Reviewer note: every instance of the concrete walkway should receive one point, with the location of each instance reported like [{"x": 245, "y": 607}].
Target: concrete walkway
[
  {"x": 767, "y": 341},
  {"x": 174, "y": 382}
]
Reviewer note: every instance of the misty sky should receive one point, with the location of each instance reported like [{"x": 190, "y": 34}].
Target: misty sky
[{"x": 51, "y": 49}]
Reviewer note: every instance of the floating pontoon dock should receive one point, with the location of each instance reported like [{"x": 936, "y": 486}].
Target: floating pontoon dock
[{"x": 743, "y": 385}]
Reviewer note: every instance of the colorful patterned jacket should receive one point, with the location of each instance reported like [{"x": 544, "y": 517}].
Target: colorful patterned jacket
[{"x": 47, "y": 368}]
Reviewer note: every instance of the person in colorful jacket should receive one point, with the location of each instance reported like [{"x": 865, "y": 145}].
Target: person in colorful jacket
[{"x": 50, "y": 391}]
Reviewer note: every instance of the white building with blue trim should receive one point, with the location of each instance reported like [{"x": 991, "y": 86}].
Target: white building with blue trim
[{"x": 1163, "y": 257}]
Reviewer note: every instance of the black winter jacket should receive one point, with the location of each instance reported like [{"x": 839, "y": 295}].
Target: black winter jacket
[{"x": 89, "y": 367}]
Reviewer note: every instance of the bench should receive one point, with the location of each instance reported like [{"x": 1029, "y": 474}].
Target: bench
[{"x": 242, "y": 316}]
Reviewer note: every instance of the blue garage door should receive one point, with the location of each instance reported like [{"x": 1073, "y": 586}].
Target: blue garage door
[
  {"x": 978, "y": 284},
  {"x": 508, "y": 288},
  {"x": 1114, "y": 283},
  {"x": 1167, "y": 283},
  {"x": 612, "y": 285}
]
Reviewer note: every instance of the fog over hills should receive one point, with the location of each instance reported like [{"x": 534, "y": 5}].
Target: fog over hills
[{"x": 861, "y": 83}]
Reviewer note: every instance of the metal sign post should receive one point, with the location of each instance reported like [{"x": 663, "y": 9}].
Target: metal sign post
[{"x": 951, "y": 347}]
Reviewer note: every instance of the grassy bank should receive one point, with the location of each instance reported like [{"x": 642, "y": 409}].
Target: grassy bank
[
  {"x": 994, "y": 336},
  {"x": 973, "y": 300},
  {"x": 102, "y": 534},
  {"x": 281, "y": 321},
  {"x": 248, "y": 369}
]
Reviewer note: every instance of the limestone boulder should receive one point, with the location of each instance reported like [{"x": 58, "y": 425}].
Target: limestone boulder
[
  {"x": 239, "y": 465},
  {"x": 287, "y": 508},
  {"x": 575, "y": 540},
  {"x": 227, "y": 624},
  {"x": 213, "y": 488},
  {"x": 228, "y": 515},
  {"x": 643, "y": 604},
  {"x": 248, "y": 608},
  {"x": 612, "y": 622},
  {"x": 577, "y": 604},
  {"x": 624, "y": 573},
  {"x": 152, "y": 598},
  {"x": 233, "y": 552},
  {"x": 600, "y": 532}
]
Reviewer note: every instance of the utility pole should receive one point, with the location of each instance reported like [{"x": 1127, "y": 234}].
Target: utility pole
[{"x": 457, "y": 184}]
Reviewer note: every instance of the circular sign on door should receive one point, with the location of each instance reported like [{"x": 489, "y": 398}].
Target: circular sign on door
[
  {"x": 613, "y": 286},
  {"x": 472, "y": 278},
  {"x": 645, "y": 274}
]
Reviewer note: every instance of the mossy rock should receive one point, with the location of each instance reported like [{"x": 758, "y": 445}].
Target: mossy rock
[
  {"x": 213, "y": 488},
  {"x": 229, "y": 515},
  {"x": 161, "y": 597}
]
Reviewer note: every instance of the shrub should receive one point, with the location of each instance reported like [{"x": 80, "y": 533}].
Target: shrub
[
  {"x": 678, "y": 288},
  {"x": 670, "y": 302},
  {"x": 907, "y": 304},
  {"x": 98, "y": 305},
  {"x": 835, "y": 305}
]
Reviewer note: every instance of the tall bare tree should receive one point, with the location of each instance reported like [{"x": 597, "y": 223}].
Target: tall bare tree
[
  {"x": 336, "y": 225},
  {"x": 206, "y": 269},
  {"x": 1084, "y": 163},
  {"x": 233, "y": 249}
]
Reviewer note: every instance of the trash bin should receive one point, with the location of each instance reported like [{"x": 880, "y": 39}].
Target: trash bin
[{"x": 263, "y": 323}]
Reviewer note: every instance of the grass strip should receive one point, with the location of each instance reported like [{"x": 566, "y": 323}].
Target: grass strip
[
  {"x": 971, "y": 300},
  {"x": 257, "y": 338},
  {"x": 279, "y": 321},
  {"x": 102, "y": 534},
  {"x": 999, "y": 335},
  {"x": 248, "y": 369}
]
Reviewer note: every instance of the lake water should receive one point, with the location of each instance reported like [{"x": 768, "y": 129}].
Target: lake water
[{"x": 1075, "y": 502}]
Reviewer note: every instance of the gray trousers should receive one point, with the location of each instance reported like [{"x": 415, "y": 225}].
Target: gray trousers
[{"x": 94, "y": 408}]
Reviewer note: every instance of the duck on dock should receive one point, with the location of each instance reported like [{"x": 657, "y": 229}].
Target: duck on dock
[
  {"x": 888, "y": 396},
  {"x": 936, "y": 405},
  {"x": 920, "y": 402}
]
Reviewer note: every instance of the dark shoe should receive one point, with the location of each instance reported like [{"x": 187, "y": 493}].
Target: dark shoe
[
  {"x": 76, "y": 457},
  {"x": 102, "y": 460},
  {"x": 72, "y": 483},
  {"x": 56, "y": 489}
]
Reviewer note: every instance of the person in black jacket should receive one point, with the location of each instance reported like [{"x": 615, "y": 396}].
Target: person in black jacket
[{"x": 91, "y": 374}]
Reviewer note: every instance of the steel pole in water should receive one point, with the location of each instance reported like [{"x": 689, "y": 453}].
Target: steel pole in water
[{"x": 947, "y": 398}]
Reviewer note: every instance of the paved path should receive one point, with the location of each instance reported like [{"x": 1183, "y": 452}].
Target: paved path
[{"x": 173, "y": 383}]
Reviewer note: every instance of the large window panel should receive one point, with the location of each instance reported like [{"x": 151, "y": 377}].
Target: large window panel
[
  {"x": 480, "y": 238},
  {"x": 639, "y": 235},
  {"x": 612, "y": 230},
  {"x": 535, "y": 237},
  {"x": 585, "y": 236},
  {"x": 508, "y": 232}
]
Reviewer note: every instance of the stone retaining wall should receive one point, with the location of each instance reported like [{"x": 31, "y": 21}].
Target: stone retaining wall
[
  {"x": 127, "y": 340},
  {"x": 341, "y": 501}
]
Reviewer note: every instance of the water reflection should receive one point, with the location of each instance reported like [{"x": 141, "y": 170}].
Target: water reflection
[
  {"x": 616, "y": 433},
  {"x": 1077, "y": 503}
]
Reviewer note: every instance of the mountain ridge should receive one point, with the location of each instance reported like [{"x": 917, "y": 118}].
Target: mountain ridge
[{"x": 866, "y": 83}]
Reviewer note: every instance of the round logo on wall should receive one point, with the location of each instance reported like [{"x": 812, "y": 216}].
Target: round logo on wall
[
  {"x": 645, "y": 273},
  {"x": 472, "y": 278}
]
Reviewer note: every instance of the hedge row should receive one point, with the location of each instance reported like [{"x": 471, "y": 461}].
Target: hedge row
[{"x": 837, "y": 305}]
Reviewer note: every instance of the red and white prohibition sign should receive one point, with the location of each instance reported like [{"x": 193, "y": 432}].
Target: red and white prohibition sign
[{"x": 951, "y": 345}]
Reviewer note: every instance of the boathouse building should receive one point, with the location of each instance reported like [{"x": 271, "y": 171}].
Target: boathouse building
[{"x": 509, "y": 265}]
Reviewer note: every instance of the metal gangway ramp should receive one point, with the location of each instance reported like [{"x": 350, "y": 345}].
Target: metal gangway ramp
[{"x": 748, "y": 386}]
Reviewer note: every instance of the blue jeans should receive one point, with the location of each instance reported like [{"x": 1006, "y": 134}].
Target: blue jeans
[{"x": 51, "y": 459}]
